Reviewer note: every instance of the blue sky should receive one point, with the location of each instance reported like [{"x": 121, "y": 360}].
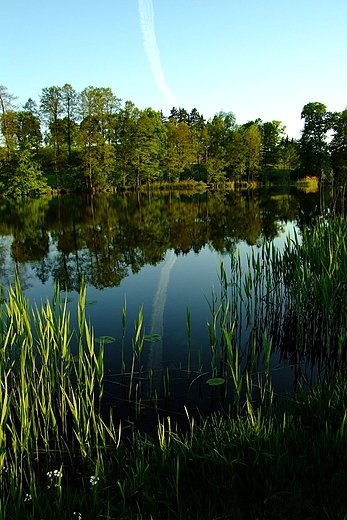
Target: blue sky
[{"x": 256, "y": 58}]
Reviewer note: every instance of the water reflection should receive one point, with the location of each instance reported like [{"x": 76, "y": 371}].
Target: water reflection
[
  {"x": 107, "y": 237},
  {"x": 116, "y": 240},
  {"x": 155, "y": 354}
]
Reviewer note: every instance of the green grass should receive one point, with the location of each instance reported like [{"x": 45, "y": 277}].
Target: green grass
[
  {"x": 287, "y": 464},
  {"x": 266, "y": 457}
]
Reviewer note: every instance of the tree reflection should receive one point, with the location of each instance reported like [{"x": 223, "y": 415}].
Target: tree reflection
[{"x": 105, "y": 237}]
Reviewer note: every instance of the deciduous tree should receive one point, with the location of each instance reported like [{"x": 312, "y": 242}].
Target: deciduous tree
[
  {"x": 27, "y": 177},
  {"x": 99, "y": 107},
  {"x": 7, "y": 119},
  {"x": 272, "y": 133},
  {"x": 315, "y": 157},
  {"x": 149, "y": 145},
  {"x": 338, "y": 147},
  {"x": 70, "y": 103},
  {"x": 51, "y": 108},
  {"x": 28, "y": 128},
  {"x": 252, "y": 142},
  {"x": 124, "y": 140}
]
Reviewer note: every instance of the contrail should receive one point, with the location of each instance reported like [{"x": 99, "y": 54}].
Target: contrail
[
  {"x": 157, "y": 323},
  {"x": 152, "y": 50}
]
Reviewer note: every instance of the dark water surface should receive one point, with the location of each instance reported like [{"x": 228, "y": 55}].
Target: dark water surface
[{"x": 162, "y": 251}]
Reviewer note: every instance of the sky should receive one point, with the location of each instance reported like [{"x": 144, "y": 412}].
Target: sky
[{"x": 256, "y": 58}]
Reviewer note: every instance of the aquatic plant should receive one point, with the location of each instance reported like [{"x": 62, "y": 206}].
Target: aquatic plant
[
  {"x": 63, "y": 453},
  {"x": 50, "y": 398}
]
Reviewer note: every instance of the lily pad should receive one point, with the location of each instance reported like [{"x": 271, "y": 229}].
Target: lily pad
[
  {"x": 215, "y": 381},
  {"x": 152, "y": 338},
  {"x": 105, "y": 339},
  {"x": 90, "y": 302}
]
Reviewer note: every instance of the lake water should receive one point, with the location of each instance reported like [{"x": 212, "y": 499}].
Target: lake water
[{"x": 159, "y": 251}]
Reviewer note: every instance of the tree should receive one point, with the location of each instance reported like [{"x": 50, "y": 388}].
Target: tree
[
  {"x": 272, "y": 132},
  {"x": 216, "y": 162},
  {"x": 179, "y": 148},
  {"x": 252, "y": 142},
  {"x": 27, "y": 178},
  {"x": 180, "y": 114},
  {"x": 315, "y": 157},
  {"x": 229, "y": 121},
  {"x": 124, "y": 140},
  {"x": 338, "y": 147},
  {"x": 7, "y": 119},
  {"x": 196, "y": 120},
  {"x": 70, "y": 104},
  {"x": 149, "y": 143},
  {"x": 28, "y": 128},
  {"x": 220, "y": 132},
  {"x": 98, "y": 111},
  {"x": 171, "y": 156},
  {"x": 237, "y": 150},
  {"x": 215, "y": 156},
  {"x": 31, "y": 106},
  {"x": 199, "y": 134},
  {"x": 51, "y": 108},
  {"x": 289, "y": 154}
]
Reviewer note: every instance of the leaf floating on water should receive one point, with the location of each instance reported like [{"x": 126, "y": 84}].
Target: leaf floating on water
[
  {"x": 105, "y": 339},
  {"x": 69, "y": 299},
  {"x": 152, "y": 337},
  {"x": 90, "y": 302},
  {"x": 215, "y": 381}
]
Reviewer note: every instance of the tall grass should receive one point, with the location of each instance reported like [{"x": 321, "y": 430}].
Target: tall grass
[
  {"x": 289, "y": 464},
  {"x": 61, "y": 455},
  {"x": 284, "y": 308},
  {"x": 50, "y": 398},
  {"x": 315, "y": 279},
  {"x": 278, "y": 309}
]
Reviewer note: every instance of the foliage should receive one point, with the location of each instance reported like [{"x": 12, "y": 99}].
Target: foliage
[
  {"x": 62, "y": 457},
  {"x": 7, "y": 119},
  {"x": 23, "y": 175},
  {"x": 338, "y": 147},
  {"x": 315, "y": 158},
  {"x": 90, "y": 141}
]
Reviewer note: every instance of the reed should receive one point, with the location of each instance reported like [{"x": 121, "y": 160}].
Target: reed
[
  {"x": 278, "y": 308},
  {"x": 59, "y": 456},
  {"x": 50, "y": 398},
  {"x": 214, "y": 470},
  {"x": 137, "y": 346}
]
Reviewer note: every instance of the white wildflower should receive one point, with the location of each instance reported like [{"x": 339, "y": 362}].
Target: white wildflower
[
  {"x": 27, "y": 497},
  {"x": 54, "y": 474},
  {"x": 93, "y": 480}
]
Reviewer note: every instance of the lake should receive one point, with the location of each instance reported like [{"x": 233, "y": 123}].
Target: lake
[{"x": 159, "y": 252}]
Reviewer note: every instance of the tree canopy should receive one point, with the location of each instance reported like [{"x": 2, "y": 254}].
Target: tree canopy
[{"x": 92, "y": 141}]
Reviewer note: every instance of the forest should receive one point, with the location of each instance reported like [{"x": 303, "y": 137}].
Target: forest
[{"x": 91, "y": 141}]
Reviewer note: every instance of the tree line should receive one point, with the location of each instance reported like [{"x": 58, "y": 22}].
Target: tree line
[{"x": 90, "y": 141}]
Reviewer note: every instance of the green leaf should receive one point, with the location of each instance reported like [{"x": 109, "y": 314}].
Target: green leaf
[
  {"x": 105, "y": 339},
  {"x": 215, "y": 381},
  {"x": 152, "y": 338}
]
